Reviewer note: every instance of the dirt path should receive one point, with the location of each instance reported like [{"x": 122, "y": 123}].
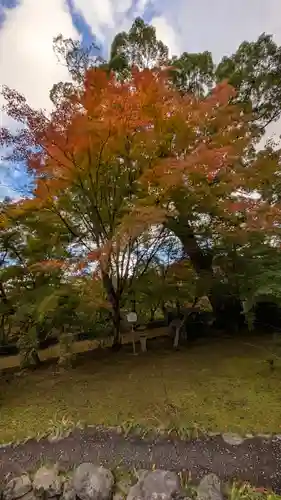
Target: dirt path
[{"x": 256, "y": 460}]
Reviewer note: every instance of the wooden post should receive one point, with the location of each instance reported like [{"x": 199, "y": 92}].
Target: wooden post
[
  {"x": 143, "y": 339},
  {"x": 133, "y": 340},
  {"x": 132, "y": 319}
]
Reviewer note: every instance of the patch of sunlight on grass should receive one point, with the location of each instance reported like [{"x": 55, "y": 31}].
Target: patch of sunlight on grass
[{"x": 220, "y": 386}]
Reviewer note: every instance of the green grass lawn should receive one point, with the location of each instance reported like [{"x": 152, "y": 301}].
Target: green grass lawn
[{"x": 219, "y": 386}]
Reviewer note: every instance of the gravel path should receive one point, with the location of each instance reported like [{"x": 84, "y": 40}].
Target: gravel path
[{"x": 256, "y": 460}]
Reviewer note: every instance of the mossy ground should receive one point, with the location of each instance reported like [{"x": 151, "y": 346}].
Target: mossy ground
[{"x": 222, "y": 385}]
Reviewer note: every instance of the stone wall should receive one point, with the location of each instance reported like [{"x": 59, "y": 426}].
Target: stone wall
[{"x": 91, "y": 482}]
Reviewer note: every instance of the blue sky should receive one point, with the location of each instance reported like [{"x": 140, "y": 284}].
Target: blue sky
[{"x": 27, "y": 28}]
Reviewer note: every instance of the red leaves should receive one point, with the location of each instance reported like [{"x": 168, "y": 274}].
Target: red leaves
[
  {"x": 118, "y": 156},
  {"x": 238, "y": 206},
  {"x": 48, "y": 265},
  {"x": 94, "y": 255},
  {"x": 97, "y": 124}
]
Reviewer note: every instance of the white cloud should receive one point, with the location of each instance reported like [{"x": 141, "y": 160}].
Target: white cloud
[
  {"x": 108, "y": 17},
  {"x": 188, "y": 25},
  {"x": 141, "y": 6},
  {"x": 220, "y": 26},
  {"x": 273, "y": 19},
  {"x": 104, "y": 17},
  {"x": 98, "y": 14},
  {"x": 27, "y": 61},
  {"x": 166, "y": 33}
]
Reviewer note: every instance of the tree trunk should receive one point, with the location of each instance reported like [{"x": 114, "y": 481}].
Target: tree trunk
[
  {"x": 143, "y": 339},
  {"x": 5, "y": 299},
  {"x": 227, "y": 310},
  {"x": 66, "y": 348},
  {"x": 164, "y": 310},
  {"x": 2, "y": 331},
  {"x": 35, "y": 358},
  {"x": 114, "y": 300},
  {"x": 201, "y": 261},
  {"x": 152, "y": 314},
  {"x": 116, "y": 316},
  {"x": 177, "y": 337}
]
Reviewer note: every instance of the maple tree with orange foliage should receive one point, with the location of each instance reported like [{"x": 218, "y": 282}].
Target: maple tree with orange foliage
[{"x": 115, "y": 159}]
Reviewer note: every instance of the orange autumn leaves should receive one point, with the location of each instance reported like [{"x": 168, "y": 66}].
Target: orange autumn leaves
[
  {"x": 124, "y": 152},
  {"x": 150, "y": 116}
]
